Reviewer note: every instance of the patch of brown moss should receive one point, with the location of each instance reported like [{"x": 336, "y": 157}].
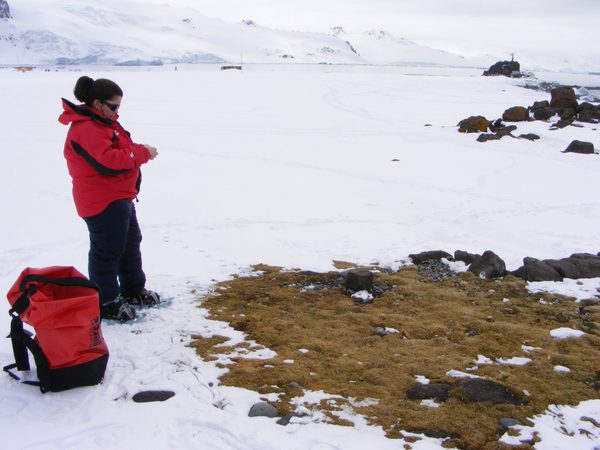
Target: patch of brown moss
[{"x": 442, "y": 326}]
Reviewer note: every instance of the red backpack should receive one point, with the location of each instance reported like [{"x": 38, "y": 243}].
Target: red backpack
[{"x": 62, "y": 306}]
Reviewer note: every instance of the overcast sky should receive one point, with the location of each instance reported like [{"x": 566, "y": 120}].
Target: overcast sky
[{"x": 547, "y": 27}]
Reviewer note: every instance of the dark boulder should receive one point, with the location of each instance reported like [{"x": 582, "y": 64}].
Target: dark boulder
[
  {"x": 538, "y": 271},
  {"x": 285, "y": 420},
  {"x": 543, "y": 113},
  {"x": 563, "y": 97},
  {"x": 152, "y": 396},
  {"x": 586, "y": 106},
  {"x": 585, "y": 148},
  {"x": 482, "y": 390},
  {"x": 578, "y": 265},
  {"x": 420, "y": 258},
  {"x": 587, "y": 264},
  {"x": 588, "y": 113},
  {"x": 567, "y": 113},
  {"x": 561, "y": 124},
  {"x": 484, "y": 137},
  {"x": 466, "y": 257},
  {"x": 539, "y": 105},
  {"x": 4, "y": 10},
  {"x": 437, "y": 391},
  {"x": 506, "y": 131},
  {"x": 529, "y": 136},
  {"x": 565, "y": 267},
  {"x": 516, "y": 114},
  {"x": 504, "y": 68},
  {"x": 262, "y": 409},
  {"x": 359, "y": 280},
  {"x": 489, "y": 265},
  {"x": 506, "y": 423},
  {"x": 473, "y": 124}
]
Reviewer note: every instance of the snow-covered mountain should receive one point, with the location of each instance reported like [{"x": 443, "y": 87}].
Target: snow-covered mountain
[
  {"x": 381, "y": 47},
  {"x": 125, "y": 32}
]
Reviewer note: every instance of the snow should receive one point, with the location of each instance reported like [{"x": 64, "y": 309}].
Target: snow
[
  {"x": 430, "y": 403},
  {"x": 562, "y": 427},
  {"x": 460, "y": 374},
  {"x": 514, "y": 361},
  {"x": 562, "y": 369},
  {"x": 283, "y": 165},
  {"x": 579, "y": 289},
  {"x": 363, "y": 295},
  {"x": 566, "y": 333},
  {"x": 422, "y": 379}
]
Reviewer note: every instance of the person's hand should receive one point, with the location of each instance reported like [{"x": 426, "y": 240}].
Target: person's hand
[{"x": 152, "y": 150}]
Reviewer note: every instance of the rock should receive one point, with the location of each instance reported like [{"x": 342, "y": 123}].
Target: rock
[
  {"x": 506, "y": 131},
  {"x": 587, "y": 264},
  {"x": 529, "y": 136},
  {"x": 152, "y": 396},
  {"x": 539, "y": 105},
  {"x": 419, "y": 258},
  {"x": 381, "y": 331},
  {"x": 538, "y": 271},
  {"x": 437, "y": 391},
  {"x": 286, "y": 419},
  {"x": 359, "y": 280},
  {"x": 543, "y": 114},
  {"x": 579, "y": 265},
  {"x": 561, "y": 124},
  {"x": 436, "y": 434},
  {"x": 563, "y": 97},
  {"x": 262, "y": 409},
  {"x": 466, "y": 257},
  {"x": 586, "y": 148},
  {"x": 434, "y": 269},
  {"x": 473, "y": 124},
  {"x": 505, "y": 68},
  {"x": 482, "y": 390},
  {"x": 586, "y": 106},
  {"x": 484, "y": 137},
  {"x": 310, "y": 273},
  {"x": 590, "y": 301},
  {"x": 496, "y": 125},
  {"x": 516, "y": 114},
  {"x": 4, "y": 10},
  {"x": 296, "y": 385},
  {"x": 565, "y": 268},
  {"x": 567, "y": 113},
  {"x": 505, "y": 423},
  {"x": 489, "y": 265},
  {"x": 529, "y": 260},
  {"x": 588, "y": 115}
]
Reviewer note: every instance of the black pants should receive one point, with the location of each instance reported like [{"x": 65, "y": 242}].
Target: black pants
[{"x": 115, "y": 259}]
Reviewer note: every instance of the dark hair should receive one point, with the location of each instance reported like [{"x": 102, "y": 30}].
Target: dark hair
[{"x": 87, "y": 90}]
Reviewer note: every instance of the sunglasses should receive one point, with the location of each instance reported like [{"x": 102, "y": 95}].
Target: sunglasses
[{"x": 113, "y": 107}]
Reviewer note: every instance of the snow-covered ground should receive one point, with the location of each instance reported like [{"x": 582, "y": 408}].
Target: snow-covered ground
[{"x": 285, "y": 165}]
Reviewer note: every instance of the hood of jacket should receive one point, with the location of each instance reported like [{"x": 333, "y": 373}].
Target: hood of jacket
[{"x": 77, "y": 113}]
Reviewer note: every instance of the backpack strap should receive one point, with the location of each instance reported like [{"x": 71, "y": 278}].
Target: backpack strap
[{"x": 21, "y": 343}]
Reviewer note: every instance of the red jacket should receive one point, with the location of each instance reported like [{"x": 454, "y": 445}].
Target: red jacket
[{"x": 102, "y": 159}]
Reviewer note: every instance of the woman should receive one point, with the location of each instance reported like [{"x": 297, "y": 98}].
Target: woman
[{"x": 104, "y": 164}]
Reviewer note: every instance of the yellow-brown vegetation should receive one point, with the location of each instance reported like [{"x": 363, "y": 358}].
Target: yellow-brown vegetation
[{"x": 441, "y": 326}]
